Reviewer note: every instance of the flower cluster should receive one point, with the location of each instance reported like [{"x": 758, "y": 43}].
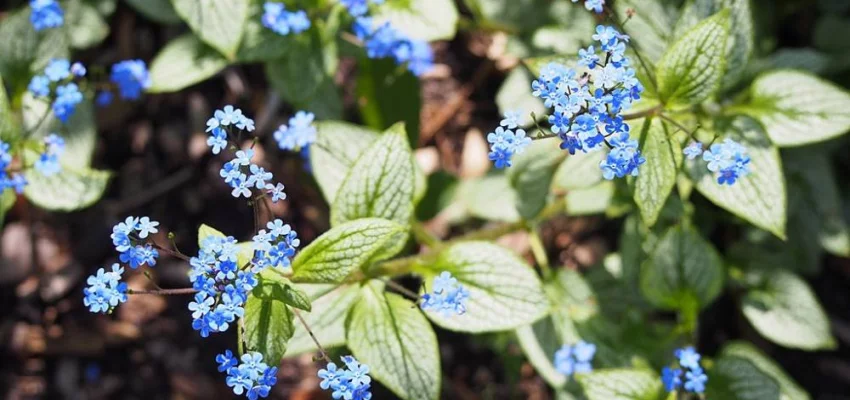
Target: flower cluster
[
  {"x": 128, "y": 238},
  {"x": 105, "y": 290},
  {"x": 299, "y": 134},
  {"x": 222, "y": 287},
  {"x": 275, "y": 247},
  {"x": 277, "y": 18},
  {"x": 131, "y": 77},
  {"x": 252, "y": 376},
  {"x": 349, "y": 384},
  {"x": 695, "y": 377},
  {"x": 46, "y": 14},
  {"x": 587, "y": 107},
  {"x": 14, "y": 180},
  {"x": 359, "y": 8},
  {"x": 448, "y": 296},
  {"x": 382, "y": 40},
  {"x": 48, "y": 161},
  {"x": 593, "y": 5},
  {"x": 575, "y": 359},
  {"x": 59, "y": 75},
  {"x": 728, "y": 160},
  {"x": 507, "y": 140}
]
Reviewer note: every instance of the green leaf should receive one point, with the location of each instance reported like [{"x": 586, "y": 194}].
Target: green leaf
[
  {"x": 651, "y": 28},
  {"x": 387, "y": 96},
  {"x": 304, "y": 76},
  {"x": 183, "y": 62},
  {"x": 331, "y": 303},
  {"x": 739, "y": 47},
  {"x": 157, "y": 10},
  {"x": 347, "y": 247},
  {"x": 7, "y": 200},
  {"x": 269, "y": 323},
  {"x": 759, "y": 197},
  {"x": 80, "y": 133},
  {"x": 683, "y": 271},
  {"x": 504, "y": 291},
  {"x": 797, "y": 108},
  {"x": 736, "y": 378},
  {"x": 271, "y": 283},
  {"x": 531, "y": 175},
  {"x": 786, "y": 312},
  {"x": 205, "y": 231},
  {"x": 789, "y": 389},
  {"x": 573, "y": 301},
  {"x": 69, "y": 190},
  {"x": 421, "y": 19},
  {"x": 388, "y": 333},
  {"x": 658, "y": 176},
  {"x": 510, "y": 15},
  {"x": 591, "y": 200},
  {"x": 218, "y": 23},
  {"x": 621, "y": 384},
  {"x": 515, "y": 94},
  {"x": 30, "y": 51},
  {"x": 539, "y": 342},
  {"x": 691, "y": 69},
  {"x": 578, "y": 171},
  {"x": 10, "y": 129},
  {"x": 380, "y": 183},
  {"x": 490, "y": 197},
  {"x": 814, "y": 199},
  {"x": 338, "y": 145},
  {"x": 86, "y": 27}
]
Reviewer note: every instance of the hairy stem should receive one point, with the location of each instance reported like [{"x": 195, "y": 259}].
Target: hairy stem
[{"x": 322, "y": 351}]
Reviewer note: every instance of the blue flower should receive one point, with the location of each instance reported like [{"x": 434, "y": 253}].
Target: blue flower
[
  {"x": 218, "y": 140},
  {"x": 575, "y": 359},
  {"x": 695, "y": 381},
  {"x": 281, "y": 21},
  {"x": 729, "y": 160},
  {"x": 623, "y": 159},
  {"x": 105, "y": 291},
  {"x": 16, "y": 182},
  {"x": 693, "y": 150},
  {"x": 513, "y": 120},
  {"x": 688, "y": 358},
  {"x": 146, "y": 227},
  {"x": 39, "y": 86},
  {"x": 258, "y": 176},
  {"x": 300, "y": 133},
  {"x": 47, "y": 164},
  {"x": 103, "y": 99},
  {"x": 593, "y": 5},
  {"x": 277, "y": 192},
  {"x": 349, "y": 384},
  {"x": 226, "y": 361},
  {"x": 132, "y": 78},
  {"x": 78, "y": 70},
  {"x": 587, "y": 57},
  {"x": 359, "y": 8},
  {"x": 139, "y": 255},
  {"x": 67, "y": 98},
  {"x": 671, "y": 378},
  {"x": 504, "y": 143},
  {"x": 46, "y": 14},
  {"x": 448, "y": 297},
  {"x": 384, "y": 41}
]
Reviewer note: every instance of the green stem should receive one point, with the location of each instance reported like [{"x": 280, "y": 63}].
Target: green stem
[
  {"x": 240, "y": 344},
  {"x": 423, "y": 236},
  {"x": 538, "y": 250},
  {"x": 322, "y": 352}
]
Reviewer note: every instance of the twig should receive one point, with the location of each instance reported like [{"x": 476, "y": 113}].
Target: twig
[
  {"x": 401, "y": 289},
  {"x": 322, "y": 351},
  {"x": 168, "y": 251}
]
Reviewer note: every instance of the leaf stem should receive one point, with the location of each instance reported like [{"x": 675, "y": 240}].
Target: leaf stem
[
  {"x": 240, "y": 344},
  {"x": 401, "y": 289},
  {"x": 423, "y": 236},
  {"x": 538, "y": 250},
  {"x": 645, "y": 113},
  {"x": 322, "y": 352}
]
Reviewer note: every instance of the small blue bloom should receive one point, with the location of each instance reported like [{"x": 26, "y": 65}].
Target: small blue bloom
[
  {"x": 671, "y": 378},
  {"x": 146, "y": 227},
  {"x": 281, "y": 21},
  {"x": 564, "y": 362},
  {"x": 448, "y": 297},
  {"x": 47, "y": 164},
  {"x": 132, "y": 78},
  {"x": 695, "y": 381},
  {"x": 253, "y": 376},
  {"x": 349, "y": 384},
  {"x": 226, "y": 361},
  {"x": 688, "y": 357},
  {"x": 67, "y": 98},
  {"x": 277, "y": 192},
  {"x": 623, "y": 159},
  {"x": 300, "y": 133},
  {"x": 105, "y": 291},
  {"x": 46, "y": 14},
  {"x": 513, "y": 120},
  {"x": 78, "y": 70},
  {"x": 104, "y": 98},
  {"x": 57, "y": 70},
  {"x": 17, "y": 182},
  {"x": 693, "y": 150},
  {"x": 593, "y": 5},
  {"x": 218, "y": 140},
  {"x": 729, "y": 160},
  {"x": 39, "y": 86},
  {"x": 575, "y": 359},
  {"x": 359, "y": 8}
]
